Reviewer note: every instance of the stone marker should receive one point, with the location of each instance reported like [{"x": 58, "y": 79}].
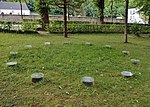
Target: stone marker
[
  {"x": 47, "y": 43},
  {"x": 135, "y": 61},
  {"x": 13, "y": 53},
  {"x": 125, "y": 52},
  {"x": 88, "y": 81},
  {"x": 36, "y": 77},
  {"x": 108, "y": 46},
  {"x": 11, "y": 63},
  {"x": 28, "y": 46},
  {"x": 126, "y": 73}
]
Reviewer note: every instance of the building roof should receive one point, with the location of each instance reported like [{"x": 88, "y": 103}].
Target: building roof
[{"x": 13, "y": 6}]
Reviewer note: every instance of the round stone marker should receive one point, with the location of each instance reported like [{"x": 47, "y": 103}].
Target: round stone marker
[
  {"x": 11, "y": 63},
  {"x": 13, "y": 53},
  {"x": 47, "y": 43},
  {"x": 88, "y": 81},
  {"x": 88, "y": 43},
  {"x": 125, "y": 52},
  {"x": 36, "y": 77},
  {"x": 135, "y": 61},
  {"x": 28, "y": 46},
  {"x": 126, "y": 73},
  {"x": 108, "y": 46}
]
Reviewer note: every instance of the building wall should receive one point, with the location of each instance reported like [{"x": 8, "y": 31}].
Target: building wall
[
  {"x": 15, "y": 12},
  {"x": 134, "y": 16}
]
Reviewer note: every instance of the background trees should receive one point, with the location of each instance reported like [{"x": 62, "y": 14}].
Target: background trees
[
  {"x": 144, "y": 6},
  {"x": 67, "y": 5},
  {"x": 42, "y": 7}
]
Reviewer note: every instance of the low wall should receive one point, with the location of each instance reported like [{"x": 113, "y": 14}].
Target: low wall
[{"x": 17, "y": 18}]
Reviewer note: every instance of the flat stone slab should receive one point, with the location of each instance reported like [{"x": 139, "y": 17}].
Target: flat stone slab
[
  {"x": 108, "y": 46},
  {"x": 125, "y": 52},
  {"x": 36, "y": 77},
  {"x": 47, "y": 43},
  {"x": 28, "y": 46},
  {"x": 13, "y": 53},
  {"x": 88, "y": 43},
  {"x": 126, "y": 73},
  {"x": 88, "y": 81},
  {"x": 11, "y": 63},
  {"x": 135, "y": 61}
]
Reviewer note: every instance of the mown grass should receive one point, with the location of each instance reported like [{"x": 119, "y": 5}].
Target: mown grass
[{"x": 64, "y": 65}]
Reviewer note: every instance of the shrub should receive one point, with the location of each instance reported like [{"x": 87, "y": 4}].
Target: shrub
[
  {"x": 7, "y": 26},
  {"x": 135, "y": 29},
  {"x": 87, "y": 27},
  {"x": 30, "y": 25}
]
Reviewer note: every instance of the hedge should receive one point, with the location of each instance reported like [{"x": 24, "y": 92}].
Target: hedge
[
  {"x": 87, "y": 27},
  {"x": 31, "y": 26},
  {"x": 15, "y": 27}
]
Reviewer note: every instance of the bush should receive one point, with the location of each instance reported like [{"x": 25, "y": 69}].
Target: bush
[
  {"x": 7, "y": 26},
  {"x": 30, "y": 25},
  {"x": 135, "y": 29},
  {"x": 87, "y": 27}
]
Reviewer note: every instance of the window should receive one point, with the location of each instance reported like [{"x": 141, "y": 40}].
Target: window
[{"x": 130, "y": 11}]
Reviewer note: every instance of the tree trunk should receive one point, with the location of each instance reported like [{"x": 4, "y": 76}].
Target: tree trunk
[
  {"x": 126, "y": 22},
  {"x": 45, "y": 19},
  {"x": 65, "y": 19},
  {"x": 101, "y": 11},
  {"x": 111, "y": 8},
  {"x": 21, "y": 9},
  {"x": 44, "y": 16},
  {"x": 101, "y": 17}
]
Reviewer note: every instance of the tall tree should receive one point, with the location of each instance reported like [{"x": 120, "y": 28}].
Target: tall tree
[
  {"x": 21, "y": 9},
  {"x": 42, "y": 7},
  {"x": 62, "y": 4},
  {"x": 126, "y": 21},
  {"x": 65, "y": 4},
  {"x": 100, "y": 5}
]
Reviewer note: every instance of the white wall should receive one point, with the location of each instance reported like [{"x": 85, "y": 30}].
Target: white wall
[
  {"x": 15, "y": 12},
  {"x": 134, "y": 16}
]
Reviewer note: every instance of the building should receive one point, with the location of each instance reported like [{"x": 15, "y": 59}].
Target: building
[
  {"x": 135, "y": 17},
  {"x": 13, "y": 8}
]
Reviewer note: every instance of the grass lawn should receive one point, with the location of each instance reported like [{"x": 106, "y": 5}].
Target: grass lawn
[{"x": 63, "y": 66}]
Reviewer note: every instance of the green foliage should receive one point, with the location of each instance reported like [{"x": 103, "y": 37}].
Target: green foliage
[
  {"x": 31, "y": 5},
  {"x": 7, "y": 26},
  {"x": 139, "y": 29},
  {"x": 89, "y": 9},
  {"x": 54, "y": 10},
  {"x": 135, "y": 29},
  {"x": 144, "y": 6},
  {"x": 145, "y": 29},
  {"x": 30, "y": 25},
  {"x": 118, "y": 8},
  {"x": 85, "y": 27}
]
